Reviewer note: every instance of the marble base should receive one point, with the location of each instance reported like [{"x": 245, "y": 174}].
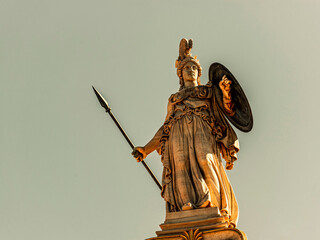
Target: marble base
[
  {"x": 207, "y": 223},
  {"x": 217, "y": 234}
]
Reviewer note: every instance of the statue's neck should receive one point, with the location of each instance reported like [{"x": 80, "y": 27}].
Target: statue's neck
[{"x": 191, "y": 83}]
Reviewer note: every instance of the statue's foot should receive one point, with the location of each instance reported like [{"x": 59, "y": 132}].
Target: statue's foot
[
  {"x": 187, "y": 206},
  {"x": 205, "y": 204}
]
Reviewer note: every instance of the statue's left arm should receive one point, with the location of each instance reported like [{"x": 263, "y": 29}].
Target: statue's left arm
[
  {"x": 227, "y": 138},
  {"x": 228, "y": 105}
]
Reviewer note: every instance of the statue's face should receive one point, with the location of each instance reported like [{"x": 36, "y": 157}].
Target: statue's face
[{"x": 190, "y": 72}]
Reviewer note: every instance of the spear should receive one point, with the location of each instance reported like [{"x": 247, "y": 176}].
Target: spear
[{"x": 105, "y": 105}]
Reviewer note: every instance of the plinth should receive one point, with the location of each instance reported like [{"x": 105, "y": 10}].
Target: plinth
[{"x": 198, "y": 224}]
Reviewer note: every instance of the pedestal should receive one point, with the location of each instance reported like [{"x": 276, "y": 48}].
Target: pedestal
[
  {"x": 198, "y": 224},
  {"x": 218, "y": 234}
]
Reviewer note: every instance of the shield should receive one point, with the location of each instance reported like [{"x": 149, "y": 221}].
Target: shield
[{"x": 242, "y": 119}]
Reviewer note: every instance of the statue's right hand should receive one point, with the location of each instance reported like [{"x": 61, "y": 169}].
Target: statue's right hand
[{"x": 139, "y": 153}]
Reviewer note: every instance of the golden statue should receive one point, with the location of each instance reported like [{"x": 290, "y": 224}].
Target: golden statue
[{"x": 196, "y": 136}]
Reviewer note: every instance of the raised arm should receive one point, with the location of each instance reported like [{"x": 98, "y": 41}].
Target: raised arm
[{"x": 224, "y": 85}]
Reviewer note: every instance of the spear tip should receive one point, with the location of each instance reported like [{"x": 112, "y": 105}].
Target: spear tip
[{"x": 102, "y": 101}]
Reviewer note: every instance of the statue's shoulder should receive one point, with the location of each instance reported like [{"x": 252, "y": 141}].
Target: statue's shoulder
[{"x": 176, "y": 97}]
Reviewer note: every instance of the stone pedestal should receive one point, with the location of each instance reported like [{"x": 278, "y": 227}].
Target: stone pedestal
[
  {"x": 197, "y": 224},
  {"x": 218, "y": 234}
]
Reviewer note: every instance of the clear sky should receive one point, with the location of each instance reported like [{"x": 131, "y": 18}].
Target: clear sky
[{"x": 66, "y": 173}]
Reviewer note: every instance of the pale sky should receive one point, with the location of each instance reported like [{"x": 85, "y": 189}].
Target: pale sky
[{"x": 66, "y": 172}]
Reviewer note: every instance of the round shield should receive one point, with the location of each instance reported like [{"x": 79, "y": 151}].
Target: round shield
[{"x": 242, "y": 119}]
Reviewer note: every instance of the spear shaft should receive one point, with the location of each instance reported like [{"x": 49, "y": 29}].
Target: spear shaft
[{"x": 105, "y": 105}]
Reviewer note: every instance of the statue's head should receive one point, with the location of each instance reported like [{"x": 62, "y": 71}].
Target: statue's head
[{"x": 188, "y": 67}]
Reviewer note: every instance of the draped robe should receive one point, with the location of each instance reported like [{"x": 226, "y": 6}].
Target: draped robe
[{"x": 194, "y": 136}]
